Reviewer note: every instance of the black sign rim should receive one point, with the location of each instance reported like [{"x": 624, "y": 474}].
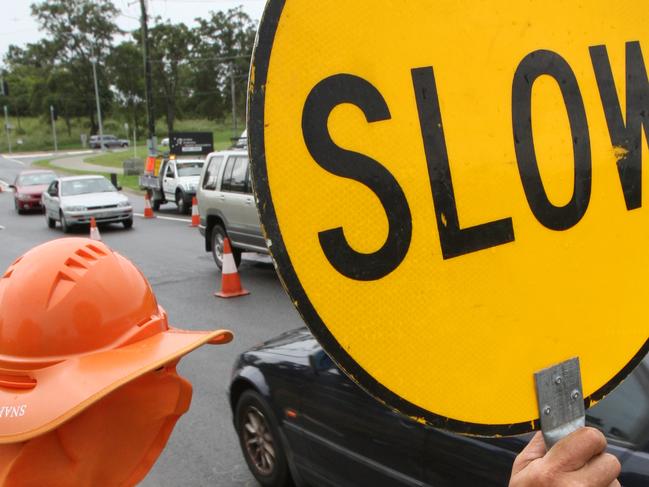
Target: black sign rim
[{"x": 255, "y": 125}]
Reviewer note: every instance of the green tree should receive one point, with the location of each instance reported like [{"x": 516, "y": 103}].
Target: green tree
[
  {"x": 171, "y": 45},
  {"x": 80, "y": 30},
  {"x": 124, "y": 67},
  {"x": 27, "y": 72},
  {"x": 224, "y": 49}
]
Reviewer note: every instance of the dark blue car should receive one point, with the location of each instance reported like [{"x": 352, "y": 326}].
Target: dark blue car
[{"x": 301, "y": 421}]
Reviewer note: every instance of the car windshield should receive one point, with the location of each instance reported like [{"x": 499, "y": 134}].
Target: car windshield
[
  {"x": 85, "y": 186},
  {"x": 37, "y": 179},
  {"x": 189, "y": 168}
]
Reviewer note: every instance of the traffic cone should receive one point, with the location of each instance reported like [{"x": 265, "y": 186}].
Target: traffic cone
[
  {"x": 148, "y": 211},
  {"x": 196, "y": 219},
  {"x": 94, "y": 231},
  {"x": 230, "y": 282}
]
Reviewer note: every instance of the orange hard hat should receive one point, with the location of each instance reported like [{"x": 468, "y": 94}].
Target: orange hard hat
[{"x": 77, "y": 321}]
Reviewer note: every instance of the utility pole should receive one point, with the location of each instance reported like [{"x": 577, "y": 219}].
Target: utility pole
[
  {"x": 93, "y": 60},
  {"x": 7, "y": 128},
  {"x": 234, "y": 102},
  {"x": 152, "y": 143},
  {"x": 56, "y": 148}
]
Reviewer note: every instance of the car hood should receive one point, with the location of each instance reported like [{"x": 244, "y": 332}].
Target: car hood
[
  {"x": 295, "y": 343},
  {"x": 188, "y": 179},
  {"x": 93, "y": 199},
  {"x": 33, "y": 190}
]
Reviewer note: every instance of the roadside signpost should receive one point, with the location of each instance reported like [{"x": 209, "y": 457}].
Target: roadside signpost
[{"x": 452, "y": 193}]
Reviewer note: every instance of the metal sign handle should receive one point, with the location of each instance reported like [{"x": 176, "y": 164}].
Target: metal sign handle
[{"x": 561, "y": 400}]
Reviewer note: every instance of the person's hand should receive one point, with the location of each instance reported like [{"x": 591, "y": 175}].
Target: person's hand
[{"x": 579, "y": 459}]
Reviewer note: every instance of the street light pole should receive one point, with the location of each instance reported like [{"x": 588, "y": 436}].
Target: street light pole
[
  {"x": 93, "y": 60},
  {"x": 152, "y": 142},
  {"x": 234, "y": 101},
  {"x": 7, "y": 128}
]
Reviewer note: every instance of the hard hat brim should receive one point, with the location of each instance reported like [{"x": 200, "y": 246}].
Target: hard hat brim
[{"x": 67, "y": 388}]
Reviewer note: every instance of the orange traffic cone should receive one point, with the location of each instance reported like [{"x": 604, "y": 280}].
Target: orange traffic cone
[
  {"x": 196, "y": 219},
  {"x": 230, "y": 282},
  {"x": 148, "y": 211},
  {"x": 94, "y": 231}
]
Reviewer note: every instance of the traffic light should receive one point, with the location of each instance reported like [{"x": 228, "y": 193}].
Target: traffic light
[{"x": 55, "y": 113}]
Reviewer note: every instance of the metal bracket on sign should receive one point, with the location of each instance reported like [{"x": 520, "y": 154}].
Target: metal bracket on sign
[{"x": 560, "y": 399}]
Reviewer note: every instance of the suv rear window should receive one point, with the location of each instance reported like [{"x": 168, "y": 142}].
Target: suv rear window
[
  {"x": 212, "y": 172},
  {"x": 235, "y": 176}
]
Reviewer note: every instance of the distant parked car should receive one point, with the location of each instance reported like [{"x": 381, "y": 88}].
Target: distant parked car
[
  {"x": 300, "y": 418},
  {"x": 74, "y": 200},
  {"x": 165, "y": 142},
  {"x": 110, "y": 141},
  {"x": 28, "y": 189}
]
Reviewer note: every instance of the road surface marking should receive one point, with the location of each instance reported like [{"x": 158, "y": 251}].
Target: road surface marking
[
  {"x": 14, "y": 160},
  {"x": 27, "y": 156},
  {"x": 172, "y": 218}
]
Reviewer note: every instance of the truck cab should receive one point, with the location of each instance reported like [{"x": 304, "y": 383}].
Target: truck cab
[
  {"x": 174, "y": 178},
  {"x": 179, "y": 181}
]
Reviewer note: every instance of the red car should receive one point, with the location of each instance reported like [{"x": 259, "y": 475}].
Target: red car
[{"x": 29, "y": 187}]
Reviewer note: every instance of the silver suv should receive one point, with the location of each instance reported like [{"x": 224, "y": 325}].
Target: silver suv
[
  {"x": 227, "y": 206},
  {"x": 109, "y": 141}
]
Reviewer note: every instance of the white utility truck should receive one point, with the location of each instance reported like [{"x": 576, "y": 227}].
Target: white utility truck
[{"x": 174, "y": 178}]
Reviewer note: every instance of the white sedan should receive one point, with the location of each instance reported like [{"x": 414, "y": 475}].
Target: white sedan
[{"x": 74, "y": 200}]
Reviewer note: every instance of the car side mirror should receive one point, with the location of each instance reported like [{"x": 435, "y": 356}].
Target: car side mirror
[{"x": 12, "y": 187}]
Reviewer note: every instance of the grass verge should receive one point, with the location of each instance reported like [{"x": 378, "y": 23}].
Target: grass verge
[{"x": 130, "y": 182}]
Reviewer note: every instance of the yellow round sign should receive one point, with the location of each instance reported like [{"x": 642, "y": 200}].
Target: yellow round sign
[{"x": 452, "y": 192}]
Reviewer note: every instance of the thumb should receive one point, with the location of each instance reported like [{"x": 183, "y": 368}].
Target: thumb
[{"x": 534, "y": 450}]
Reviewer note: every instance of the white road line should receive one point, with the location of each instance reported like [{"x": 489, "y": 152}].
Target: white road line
[
  {"x": 4, "y": 184},
  {"x": 14, "y": 160},
  {"x": 28, "y": 156},
  {"x": 1, "y": 227},
  {"x": 171, "y": 218},
  {"x": 78, "y": 153}
]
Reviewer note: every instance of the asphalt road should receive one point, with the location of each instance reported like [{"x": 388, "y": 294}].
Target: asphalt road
[{"x": 203, "y": 449}]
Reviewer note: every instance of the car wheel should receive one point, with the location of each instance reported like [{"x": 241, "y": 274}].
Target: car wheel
[
  {"x": 181, "y": 202},
  {"x": 128, "y": 224},
  {"x": 64, "y": 224},
  {"x": 19, "y": 210},
  {"x": 218, "y": 236},
  {"x": 260, "y": 441},
  {"x": 124, "y": 146},
  {"x": 51, "y": 222}
]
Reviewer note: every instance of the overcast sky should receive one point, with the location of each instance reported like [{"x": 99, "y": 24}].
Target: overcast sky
[{"x": 17, "y": 26}]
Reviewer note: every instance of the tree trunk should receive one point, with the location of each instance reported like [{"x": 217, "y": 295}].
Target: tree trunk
[
  {"x": 68, "y": 125},
  {"x": 171, "y": 115}
]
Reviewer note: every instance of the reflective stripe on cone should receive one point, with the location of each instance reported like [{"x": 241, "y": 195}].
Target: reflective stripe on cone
[
  {"x": 148, "y": 211},
  {"x": 230, "y": 282},
  {"x": 196, "y": 219},
  {"x": 94, "y": 231}
]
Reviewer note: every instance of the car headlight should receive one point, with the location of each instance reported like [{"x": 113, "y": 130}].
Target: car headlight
[
  {"x": 123, "y": 204},
  {"x": 75, "y": 208},
  {"x": 23, "y": 197}
]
